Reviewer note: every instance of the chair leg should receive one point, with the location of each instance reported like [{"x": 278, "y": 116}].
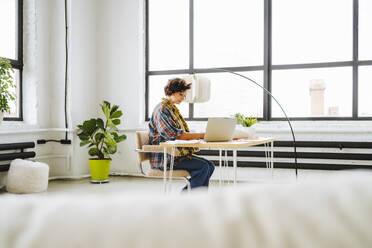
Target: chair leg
[
  {"x": 171, "y": 171},
  {"x": 188, "y": 185},
  {"x": 143, "y": 173},
  {"x": 165, "y": 171}
]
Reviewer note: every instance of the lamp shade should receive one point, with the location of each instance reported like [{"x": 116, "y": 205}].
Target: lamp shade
[{"x": 200, "y": 89}]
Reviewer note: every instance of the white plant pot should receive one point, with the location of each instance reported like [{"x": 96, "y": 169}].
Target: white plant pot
[
  {"x": 1, "y": 116},
  {"x": 244, "y": 132},
  {"x": 251, "y": 132}
]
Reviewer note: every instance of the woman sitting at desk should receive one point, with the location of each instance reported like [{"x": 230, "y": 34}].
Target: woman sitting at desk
[{"x": 167, "y": 123}]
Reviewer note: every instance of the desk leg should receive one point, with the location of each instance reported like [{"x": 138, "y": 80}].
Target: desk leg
[
  {"x": 220, "y": 167},
  {"x": 165, "y": 170},
  {"x": 235, "y": 165},
  {"x": 272, "y": 160},
  {"x": 267, "y": 155},
  {"x": 226, "y": 169},
  {"x": 171, "y": 170}
]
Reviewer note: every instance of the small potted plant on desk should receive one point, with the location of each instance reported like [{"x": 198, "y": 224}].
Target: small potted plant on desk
[
  {"x": 6, "y": 85},
  {"x": 102, "y": 138},
  {"x": 247, "y": 123}
]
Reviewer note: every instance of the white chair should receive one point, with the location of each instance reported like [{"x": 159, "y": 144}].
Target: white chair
[{"x": 143, "y": 150}]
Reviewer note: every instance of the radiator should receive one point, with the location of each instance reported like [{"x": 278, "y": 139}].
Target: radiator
[
  {"x": 12, "y": 151},
  {"x": 328, "y": 155}
]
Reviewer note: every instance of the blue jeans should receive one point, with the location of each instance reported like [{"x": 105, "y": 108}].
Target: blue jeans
[{"x": 200, "y": 170}]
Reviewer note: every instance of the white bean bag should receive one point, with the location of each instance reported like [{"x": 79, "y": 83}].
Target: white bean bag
[{"x": 27, "y": 177}]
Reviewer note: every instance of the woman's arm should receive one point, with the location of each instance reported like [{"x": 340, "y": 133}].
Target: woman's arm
[{"x": 190, "y": 136}]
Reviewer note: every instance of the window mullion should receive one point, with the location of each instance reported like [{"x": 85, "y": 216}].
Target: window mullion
[
  {"x": 17, "y": 62},
  {"x": 191, "y": 49},
  {"x": 267, "y": 59},
  {"x": 355, "y": 59}
]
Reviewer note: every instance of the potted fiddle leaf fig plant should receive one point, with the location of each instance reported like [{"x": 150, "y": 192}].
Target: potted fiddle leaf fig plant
[
  {"x": 247, "y": 123},
  {"x": 6, "y": 87},
  {"x": 101, "y": 136}
]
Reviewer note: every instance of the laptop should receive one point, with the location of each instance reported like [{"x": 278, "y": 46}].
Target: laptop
[{"x": 220, "y": 129}]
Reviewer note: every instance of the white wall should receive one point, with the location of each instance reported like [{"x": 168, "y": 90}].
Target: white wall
[
  {"x": 120, "y": 57},
  {"x": 82, "y": 86},
  {"x": 120, "y": 67}
]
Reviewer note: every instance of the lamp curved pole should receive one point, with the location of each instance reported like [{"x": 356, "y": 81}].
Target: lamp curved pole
[{"x": 268, "y": 92}]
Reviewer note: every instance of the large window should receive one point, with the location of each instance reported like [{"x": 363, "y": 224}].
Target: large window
[
  {"x": 11, "y": 44},
  {"x": 313, "y": 55}
]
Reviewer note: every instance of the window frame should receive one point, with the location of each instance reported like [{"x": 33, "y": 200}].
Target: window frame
[
  {"x": 267, "y": 67},
  {"x": 18, "y": 63}
]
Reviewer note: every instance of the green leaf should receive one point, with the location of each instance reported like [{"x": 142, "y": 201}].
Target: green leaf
[
  {"x": 112, "y": 126},
  {"x": 116, "y": 114},
  {"x": 121, "y": 138},
  {"x": 100, "y": 123},
  {"x": 85, "y": 142},
  {"x": 111, "y": 149},
  {"x": 116, "y": 121},
  {"x": 89, "y": 126},
  {"x": 107, "y": 104},
  {"x": 245, "y": 121},
  {"x": 93, "y": 152},
  {"x": 115, "y": 135},
  {"x": 106, "y": 110},
  {"x": 98, "y": 137},
  {"x": 113, "y": 109},
  {"x": 109, "y": 141},
  {"x": 83, "y": 137},
  {"x": 118, "y": 138}
]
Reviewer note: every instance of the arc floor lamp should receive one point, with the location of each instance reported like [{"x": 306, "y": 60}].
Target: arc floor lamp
[{"x": 269, "y": 93}]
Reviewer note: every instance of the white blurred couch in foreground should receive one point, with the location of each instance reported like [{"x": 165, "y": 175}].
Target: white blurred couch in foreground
[{"x": 329, "y": 213}]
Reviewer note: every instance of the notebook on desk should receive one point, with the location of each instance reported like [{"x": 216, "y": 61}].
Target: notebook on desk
[{"x": 220, "y": 129}]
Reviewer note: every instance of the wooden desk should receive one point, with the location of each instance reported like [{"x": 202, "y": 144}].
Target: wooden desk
[{"x": 230, "y": 145}]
